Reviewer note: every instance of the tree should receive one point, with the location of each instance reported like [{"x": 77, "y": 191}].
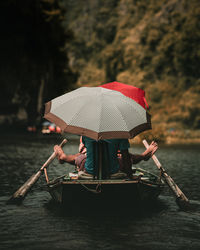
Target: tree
[{"x": 34, "y": 57}]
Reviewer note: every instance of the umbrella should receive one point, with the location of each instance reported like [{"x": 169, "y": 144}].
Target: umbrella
[
  {"x": 130, "y": 91},
  {"x": 98, "y": 113}
]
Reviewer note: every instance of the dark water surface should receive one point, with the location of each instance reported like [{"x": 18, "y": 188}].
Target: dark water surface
[{"x": 38, "y": 223}]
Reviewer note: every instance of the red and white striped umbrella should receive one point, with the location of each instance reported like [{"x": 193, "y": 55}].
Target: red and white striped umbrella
[{"x": 98, "y": 113}]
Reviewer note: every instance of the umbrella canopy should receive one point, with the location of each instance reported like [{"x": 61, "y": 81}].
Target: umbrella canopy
[
  {"x": 130, "y": 91},
  {"x": 98, "y": 113}
]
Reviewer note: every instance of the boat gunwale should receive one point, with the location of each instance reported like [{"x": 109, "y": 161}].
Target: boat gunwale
[
  {"x": 59, "y": 181},
  {"x": 106, "y": 182}
]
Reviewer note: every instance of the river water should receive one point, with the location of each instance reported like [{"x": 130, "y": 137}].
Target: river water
[{"x": 39, "y": 223}]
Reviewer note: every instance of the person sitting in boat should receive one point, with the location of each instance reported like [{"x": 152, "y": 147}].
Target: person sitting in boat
[
  {"x": 120, "y": 164},
  {"x": 113, "y": 145},
  {"x": 135, "y": 158}
]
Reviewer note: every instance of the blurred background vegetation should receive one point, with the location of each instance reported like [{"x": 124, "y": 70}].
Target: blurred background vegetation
[{"x": 49, "y": 47}]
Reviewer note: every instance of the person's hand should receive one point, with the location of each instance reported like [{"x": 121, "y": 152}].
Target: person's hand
[
  {"x": 59, "y": 153},
  {"x": 57, "y": 150},
  {"x": 150, "y": 151}
]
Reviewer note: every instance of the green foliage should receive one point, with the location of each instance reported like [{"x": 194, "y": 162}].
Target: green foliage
[{"x": 150, "y": 44}]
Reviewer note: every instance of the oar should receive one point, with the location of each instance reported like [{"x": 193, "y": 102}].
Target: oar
[
  {"x": 20, "y": 194},
  {"x": 181, "y": 200}
]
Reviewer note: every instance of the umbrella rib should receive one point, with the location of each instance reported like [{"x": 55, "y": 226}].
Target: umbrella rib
[
  {"x": 120, "y": 114},
  {"x": 134, "y": 107},
  {"x": 64, "y": 103},
  {"x": 100, "y": 116},
  {"x": 131, "y": 107},
  {"x": 73, "y": 117},
  {"x": 79, "y": 111}
]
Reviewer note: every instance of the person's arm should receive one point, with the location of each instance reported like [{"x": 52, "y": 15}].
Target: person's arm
[
  {"x": 136, "y": 158},
  {"x": 146, "y": 155},
  {"x": 62, "y": 157},
  {"x": 127, "y": 162}
]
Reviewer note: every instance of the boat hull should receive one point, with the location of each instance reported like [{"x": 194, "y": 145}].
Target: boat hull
[{"x": 109, "y": 192}]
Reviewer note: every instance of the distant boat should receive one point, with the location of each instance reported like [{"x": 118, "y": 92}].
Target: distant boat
[{"x": 49, "y": 128}]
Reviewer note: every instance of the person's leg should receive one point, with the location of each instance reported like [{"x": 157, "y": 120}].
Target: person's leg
[{"x": 121, "y": 165}]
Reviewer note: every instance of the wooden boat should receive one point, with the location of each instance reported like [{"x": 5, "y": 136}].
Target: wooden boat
[
  {"x": 103, "y": 191},
  {"x": 68, "y": 190}
]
